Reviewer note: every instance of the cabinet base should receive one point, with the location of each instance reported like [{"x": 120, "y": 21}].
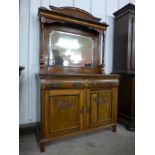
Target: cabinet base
[
  {"x": 44, "y": 141},
  {"x": 128, "y": 123}
]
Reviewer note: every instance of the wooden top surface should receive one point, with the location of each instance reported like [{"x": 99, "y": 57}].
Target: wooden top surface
[
  {"x": 127, "y": 8},
  {"x": 44, "y": 75}
]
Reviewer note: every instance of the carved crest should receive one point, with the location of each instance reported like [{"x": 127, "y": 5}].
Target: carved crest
[{"x": 75, "y": 12}]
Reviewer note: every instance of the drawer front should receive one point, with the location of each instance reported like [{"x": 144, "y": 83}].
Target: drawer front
[
  {"x": 79, "y": 84},
  {"x": 58, "y": 84},
  {"x": 103, "y": 83}
]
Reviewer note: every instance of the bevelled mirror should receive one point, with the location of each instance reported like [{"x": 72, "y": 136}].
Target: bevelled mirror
[{"x": 68, "y": 49}]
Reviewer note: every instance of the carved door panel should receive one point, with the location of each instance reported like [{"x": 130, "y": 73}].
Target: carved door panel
[
  {"x": 101, "y": 108},
  {"x": 63, "y": 112}
]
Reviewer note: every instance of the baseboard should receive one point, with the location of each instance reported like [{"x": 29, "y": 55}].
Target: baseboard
[{"x": 28, "y": 128}]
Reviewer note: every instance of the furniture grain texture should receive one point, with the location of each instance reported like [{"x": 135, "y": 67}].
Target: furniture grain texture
[
  {"x": 74, "y": 100},
  {"x": 124, "y": 63}
]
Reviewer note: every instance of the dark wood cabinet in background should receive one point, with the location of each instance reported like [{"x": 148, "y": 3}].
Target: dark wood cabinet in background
[
  {"x": 126, "y": 101},
  {"x": 124, "y": 63},
  {"x": 124, "y": 40}
]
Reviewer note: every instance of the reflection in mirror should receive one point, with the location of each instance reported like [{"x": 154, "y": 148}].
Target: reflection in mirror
[{"x": 68, "y": 49}]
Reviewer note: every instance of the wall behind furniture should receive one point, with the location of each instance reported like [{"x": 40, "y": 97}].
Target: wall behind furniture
[{"x": 29, "y": 45}]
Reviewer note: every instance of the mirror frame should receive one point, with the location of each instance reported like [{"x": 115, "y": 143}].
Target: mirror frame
[
  {"x": 62, "y": 28},
  {"x": 75, "y": 21}
]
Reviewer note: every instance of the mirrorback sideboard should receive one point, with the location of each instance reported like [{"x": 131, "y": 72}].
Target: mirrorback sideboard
[{"x": 76, "y": 95}]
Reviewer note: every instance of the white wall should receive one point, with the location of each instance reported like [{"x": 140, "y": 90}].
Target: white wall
[{"x": 29, "y": 45}]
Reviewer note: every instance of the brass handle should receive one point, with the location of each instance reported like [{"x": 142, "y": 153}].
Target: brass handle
[
  {"x": 55, "y": 84},
  {"x": 77, "y": 84},
  {"x": 98, "y": 100},
  {"x": 94, "y": 84}
]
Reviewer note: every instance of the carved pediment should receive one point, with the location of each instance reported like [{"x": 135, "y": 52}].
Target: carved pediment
[
  {"x": 70, "y": 15},
  {"x": 75, "y": 12}
]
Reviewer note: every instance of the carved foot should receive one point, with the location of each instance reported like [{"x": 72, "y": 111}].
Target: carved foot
[
  {"x": 114, "y": 128},
  {"x": 42, "y": 147}
]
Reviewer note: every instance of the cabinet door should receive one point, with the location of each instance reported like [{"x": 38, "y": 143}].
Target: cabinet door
[
  {"x": 63, "y": 112},
  {"x": 102, "y": 105}
]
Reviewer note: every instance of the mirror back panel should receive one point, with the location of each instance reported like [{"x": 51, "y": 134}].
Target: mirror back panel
[{"x": 71, "y": 45}]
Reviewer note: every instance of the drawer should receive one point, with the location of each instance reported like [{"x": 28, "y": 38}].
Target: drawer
[
  {"x": 103, "y": 83},
  {"x": 64, "y": 84}
]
